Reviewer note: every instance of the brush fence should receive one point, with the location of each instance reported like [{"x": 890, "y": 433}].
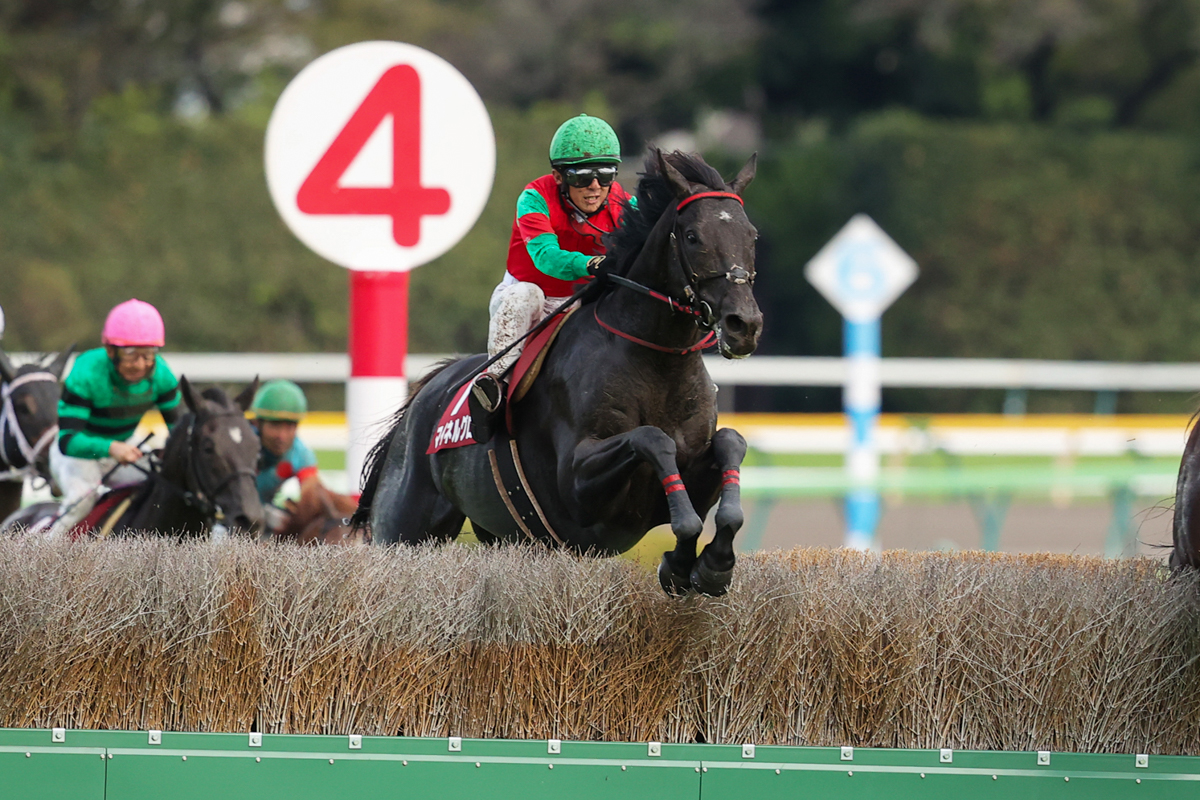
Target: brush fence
[
  {"x": 818, "y": 648},
  {"x": 125, "y": 765}
]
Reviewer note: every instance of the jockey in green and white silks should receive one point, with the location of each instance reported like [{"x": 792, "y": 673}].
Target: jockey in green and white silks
[
  {"x": 104, "y": 397},
  {"x": 555, "y": 242}
]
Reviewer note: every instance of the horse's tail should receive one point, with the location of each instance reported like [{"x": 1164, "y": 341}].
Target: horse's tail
[{"x": 377, "y": 457}]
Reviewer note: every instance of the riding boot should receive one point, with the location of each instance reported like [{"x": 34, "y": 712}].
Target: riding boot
[{"x": 485, "y": 400}]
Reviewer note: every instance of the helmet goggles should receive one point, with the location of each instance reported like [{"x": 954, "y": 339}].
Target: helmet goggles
[{"x": 582, "y": 176}]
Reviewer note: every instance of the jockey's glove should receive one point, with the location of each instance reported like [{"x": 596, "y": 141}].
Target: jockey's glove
[{"x": 595, "y": 264}]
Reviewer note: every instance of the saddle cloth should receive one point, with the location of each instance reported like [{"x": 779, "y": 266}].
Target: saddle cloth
[
  {"x": 454, "y": 425},
  {"x": 105, "y": 513}
]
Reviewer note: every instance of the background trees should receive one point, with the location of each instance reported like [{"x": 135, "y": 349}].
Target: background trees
[{"x": 1038, "y": 159}]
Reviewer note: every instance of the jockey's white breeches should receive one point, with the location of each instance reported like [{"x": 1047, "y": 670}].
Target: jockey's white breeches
[
  {"x": 515, "y": 307},
  {"x": 78, "y": 478}
]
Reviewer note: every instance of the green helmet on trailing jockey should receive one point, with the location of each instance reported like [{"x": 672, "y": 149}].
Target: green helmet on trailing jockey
[
  {"x": 279, "y": 401},
  {"x": 584, "y": 139}
]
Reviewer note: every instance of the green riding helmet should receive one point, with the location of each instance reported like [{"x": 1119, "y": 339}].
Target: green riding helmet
[
  {"x": 279, "y": 401},
  {"x": 584, "y": 139}
]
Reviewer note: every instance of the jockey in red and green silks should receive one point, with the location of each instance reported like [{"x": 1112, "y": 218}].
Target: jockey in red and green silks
[{"x": 556, "y": 240}]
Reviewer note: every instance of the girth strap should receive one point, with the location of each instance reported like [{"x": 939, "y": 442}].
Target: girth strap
[{"x": 514, "y": 489}]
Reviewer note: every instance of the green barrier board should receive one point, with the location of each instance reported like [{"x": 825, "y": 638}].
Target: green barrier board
[{"x": 130, "y": 765}]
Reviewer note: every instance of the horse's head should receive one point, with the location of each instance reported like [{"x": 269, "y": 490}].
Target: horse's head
[
  {"x": 29, "y": 414},
  {"x": 713, "y": 243},
  {"x": 221, "y": 457}
]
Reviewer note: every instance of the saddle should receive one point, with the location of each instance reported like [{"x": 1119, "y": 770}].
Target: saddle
[
  {"x": 454, "y": 425},
  {"x": 108, "y": 510}
]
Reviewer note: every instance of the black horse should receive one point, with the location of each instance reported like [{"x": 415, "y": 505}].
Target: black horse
[
  {"x": 206, "y": 482},
  {"x": 618, "y": 434},
  {"x": 1185, "y": 525},
  {"x": 28, "y": 423}
]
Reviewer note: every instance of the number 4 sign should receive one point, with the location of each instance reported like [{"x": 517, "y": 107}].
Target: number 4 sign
[{"x": 380, "y": 156}]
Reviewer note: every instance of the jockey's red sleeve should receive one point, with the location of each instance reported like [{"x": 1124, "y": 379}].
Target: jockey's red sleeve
[{"x": 306, "y": 473}]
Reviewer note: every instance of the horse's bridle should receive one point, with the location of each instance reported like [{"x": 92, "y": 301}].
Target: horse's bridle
[
  {"x": 736, "y": 274},
  {"x": 10, "y": 426},
  {"x": 699, "y": 309},
  {"x": 194, "y": 493}
]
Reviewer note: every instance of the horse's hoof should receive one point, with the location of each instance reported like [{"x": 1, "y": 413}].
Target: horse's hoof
[
  {"x": 711, "y": 582},
  {"x": 672, "y": 582}
]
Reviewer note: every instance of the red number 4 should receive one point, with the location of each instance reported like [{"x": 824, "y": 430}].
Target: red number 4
[{"x": 397, "y": 93}]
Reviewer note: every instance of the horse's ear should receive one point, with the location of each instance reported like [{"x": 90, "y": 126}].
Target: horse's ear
[
  {"x": 192, "y": 400},
  {"x": 59, "y": 363},
  {"x": 745, "y": 176},
  {"x": 7, "y": 371},
  {"x": 675, "y": 179},
  {"x": 246, "y": 397}
]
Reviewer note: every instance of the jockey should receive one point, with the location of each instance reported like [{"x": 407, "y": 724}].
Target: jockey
[
  {"x": 104, "y": 397},
  {"x": 555, "y": 246},
  {"x": 278, "y": 408}
]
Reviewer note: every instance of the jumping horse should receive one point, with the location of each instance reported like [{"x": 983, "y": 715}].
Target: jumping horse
[
  {"x": 618, "y": 432},
  {"x": 28, "y": 423},
  {"x": 203, "y": 482}
]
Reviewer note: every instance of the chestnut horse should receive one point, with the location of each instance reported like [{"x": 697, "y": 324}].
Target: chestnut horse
[{"x": 320, "y": 516}]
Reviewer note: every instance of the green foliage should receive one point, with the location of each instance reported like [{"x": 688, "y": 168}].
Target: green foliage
[{"x": 1039, "y": 164}]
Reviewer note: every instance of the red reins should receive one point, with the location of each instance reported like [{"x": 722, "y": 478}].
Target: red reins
[{"x": 707, "y": 341}]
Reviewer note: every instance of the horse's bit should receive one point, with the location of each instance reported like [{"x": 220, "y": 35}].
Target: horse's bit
[{"x": 9, "y": 426}]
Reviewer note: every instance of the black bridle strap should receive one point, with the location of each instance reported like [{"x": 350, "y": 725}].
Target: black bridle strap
[
  {"x": 646, "y": 290},
  {"x": 199, "y": 497}
]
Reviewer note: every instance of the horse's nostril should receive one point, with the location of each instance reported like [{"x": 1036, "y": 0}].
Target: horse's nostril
[{"x": 735, "y": 324}]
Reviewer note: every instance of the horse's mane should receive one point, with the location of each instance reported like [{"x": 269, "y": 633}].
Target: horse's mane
[
  {"x": 654, "y": 198},
  {"x": 217, "y": 395}
]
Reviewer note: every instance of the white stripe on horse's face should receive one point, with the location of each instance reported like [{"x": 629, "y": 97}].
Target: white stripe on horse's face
[
  {"x": 725, "y": 215},
  {"x": 236, "y": 435}
]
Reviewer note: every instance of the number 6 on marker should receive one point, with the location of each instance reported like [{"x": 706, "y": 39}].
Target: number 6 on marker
[{"x": 397, "y": 93}]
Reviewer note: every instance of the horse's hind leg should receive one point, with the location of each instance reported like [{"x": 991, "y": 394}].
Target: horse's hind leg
[
  {"x": 446, "y": 522},
  {"x": 713, "y": 570}
]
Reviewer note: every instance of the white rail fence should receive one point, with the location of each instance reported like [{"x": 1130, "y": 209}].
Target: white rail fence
[{"x": 941, "y": 373}]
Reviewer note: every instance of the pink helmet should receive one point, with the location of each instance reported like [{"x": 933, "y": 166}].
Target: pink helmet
[{"x": 133, "y": 323}]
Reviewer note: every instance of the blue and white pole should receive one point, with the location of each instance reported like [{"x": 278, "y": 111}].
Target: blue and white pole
[
  {"x": 861, "y": 399},
  {"x": 861, "y": 271}
]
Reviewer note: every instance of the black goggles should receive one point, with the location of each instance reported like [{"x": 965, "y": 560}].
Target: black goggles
[{"x": 582, "y": 177}]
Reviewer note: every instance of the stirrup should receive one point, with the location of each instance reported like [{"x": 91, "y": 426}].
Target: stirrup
[
  {"x": 484, "y": 401},
  {"x": 488, "y": 392}
]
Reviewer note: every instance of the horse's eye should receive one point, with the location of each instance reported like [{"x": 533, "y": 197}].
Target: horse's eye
[{"x": 692, "y": 237}]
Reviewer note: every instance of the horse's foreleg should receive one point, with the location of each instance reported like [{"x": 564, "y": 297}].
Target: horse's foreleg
[
  {"x": 602, "y": 467},
  {"x": 713, "y": 570}
]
